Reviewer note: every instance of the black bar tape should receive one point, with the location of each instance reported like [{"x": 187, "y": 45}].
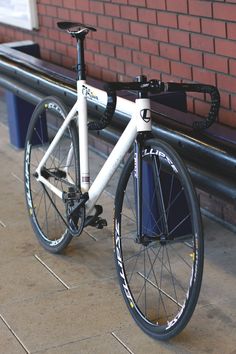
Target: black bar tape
[{"x": 211, "y": 90}]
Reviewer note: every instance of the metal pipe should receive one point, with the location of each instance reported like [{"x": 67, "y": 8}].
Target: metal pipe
[
  {"x": 215, "y": 162},
  {"x": 21, "y": 90}
]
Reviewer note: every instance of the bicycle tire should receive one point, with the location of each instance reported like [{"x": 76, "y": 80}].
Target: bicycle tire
[
  {"x": 46, "y": 211},
  {"x": 160, "y": 280}
]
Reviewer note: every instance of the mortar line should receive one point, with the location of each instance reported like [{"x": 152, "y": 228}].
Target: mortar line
[
  {"x": 2, "y": 224},
  {"x": 14, "y": 334},
  {"x": 122, "y": 343},
  {"x": 16, "y": 177},
  {"x": 90, "y": 235},
  {"x": 52, "y": 272}
]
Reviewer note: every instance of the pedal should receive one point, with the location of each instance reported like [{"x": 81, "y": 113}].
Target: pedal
[
  {"x": 95, "y": 220},
  {"x": 101, "y": 223}
]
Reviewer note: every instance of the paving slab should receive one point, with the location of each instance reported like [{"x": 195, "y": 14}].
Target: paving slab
[
  {"x": 24, "y": 278},
  {"x": 95, "y": 345},
  {"x": 8, "y": 342},
  {"x": 83, "y": 261},
  {"x": 66, "y": 316}
]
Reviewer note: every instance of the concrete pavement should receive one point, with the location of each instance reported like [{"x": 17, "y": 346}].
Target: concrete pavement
[{"x": 71, "y": 303}]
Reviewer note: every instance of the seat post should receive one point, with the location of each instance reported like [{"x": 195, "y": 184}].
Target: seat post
[{"x": 81, "y": 67}]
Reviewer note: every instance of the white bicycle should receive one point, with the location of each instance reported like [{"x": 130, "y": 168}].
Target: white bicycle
[{"x": 158, "y": 239}]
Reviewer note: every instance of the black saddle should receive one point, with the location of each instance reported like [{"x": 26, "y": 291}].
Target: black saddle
[{"x": 74, "y": 27}]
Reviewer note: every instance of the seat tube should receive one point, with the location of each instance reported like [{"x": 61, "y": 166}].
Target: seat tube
[{"x": 83, "y": 135}]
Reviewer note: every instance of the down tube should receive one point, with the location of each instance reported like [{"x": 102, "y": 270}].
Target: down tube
[{"x": 112, "y": 163}]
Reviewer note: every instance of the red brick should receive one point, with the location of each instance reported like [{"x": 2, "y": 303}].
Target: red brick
[
  {"x": 47, "y": 21},
  {"x": 117, "y": 65},
  {"x": 108, "y": 75},
  {"x": 233, "y": 101},
  {"x": 54, "y": 34},
  {"x": 105, "y": 22},
  {"x": 92, "y": 44},
  {"x": 158, "y": 33},
  {"x": 114, "y": 37},
  {"x": 63, "y": 13},
  {"x": 132, "y": 70},
  {"x": 157, "y": 5},
  {"x": 204, "y": 76},
  {"x": 152, "y": 74},
  {"x": 111, "y": 9},
  {"x": 137, "y": 3},
  {"x": 201, "y": 108},
  {"x": 149, "y": 46},
  {"x": 107, "y": 49},
  {"x": 227, "y": 117},
  {"x": 177, "y": 6},
  {"x": 200, "y": 8},
  {"x": 191, "y": 56},
  {"x": 76, "y": 16},
  {"x": 189, "y": 23},
  {"x": 67, "y": 62},
  {"x": 51, "y": 11},
  {"x": 190, "y": 107},
  {"x": 179, "y": 37},
  {"x": 81, "y": 5},
  {"x": 121, "y": 25},
  {"x": 129, "y": 12},
  {"x": 90, "y": 19},
  {"x": 215, "y": 62},
  {"x": 214, "y": 28},
  {"x": 69, "y": 4},
  {"x": 169, "y": 51},
  {"x": 167, "y": 19},
  {"x": 225, "y": 100},
  {"x": 225, "y": 47},
  {"x": 141, "y": 58},
  {"x": 100, "y": 35},
  {"x": 231, "y": 30},
  {"x": 232, "y": 67},
  {"x": 202, "y": 42},
  {"x": 147, "y": 16},
  {"x": 60, "y": 47},
  {"x": 120, "y": 1},
  {"x": 226, "y": 82},
  {"x": 123, "y": 53},
  {"x": 224, "y": 11},
  {"x": 94, "y": 71},
  {"x": 42, "y": 10},
  {"x": 101, "y": 60},
  {"x": 139, "y": 29},
  {"x": 96, "y": 6},
  {"x": 55, "y": 58},
  {"x": 181, "y": 70},
  {"x": 131, "y": 41}
]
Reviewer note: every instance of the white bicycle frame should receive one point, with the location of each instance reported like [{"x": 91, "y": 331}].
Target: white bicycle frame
[{"x": 139, "y": 122}]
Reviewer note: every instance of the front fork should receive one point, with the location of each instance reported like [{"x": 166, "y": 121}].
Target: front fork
[
  {"x": 138, "y": 184},
  {"x": 138, "y": 180}
]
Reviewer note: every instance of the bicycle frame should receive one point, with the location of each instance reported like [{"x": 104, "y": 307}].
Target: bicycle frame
[{"x": 140, "y": 121}]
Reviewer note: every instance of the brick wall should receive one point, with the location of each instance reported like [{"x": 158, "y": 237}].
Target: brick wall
[{"x": 190, "y": 40}]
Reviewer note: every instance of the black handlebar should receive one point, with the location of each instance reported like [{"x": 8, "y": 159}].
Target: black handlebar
[{"x": 156, "y": 86}]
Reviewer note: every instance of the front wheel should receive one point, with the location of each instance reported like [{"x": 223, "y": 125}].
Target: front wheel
[{"x": 160, "y": 273}]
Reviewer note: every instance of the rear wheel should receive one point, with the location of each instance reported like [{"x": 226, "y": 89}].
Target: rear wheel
[
  {"x": 47, "y": 211},
  {"x": 160, "y": 276}
]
